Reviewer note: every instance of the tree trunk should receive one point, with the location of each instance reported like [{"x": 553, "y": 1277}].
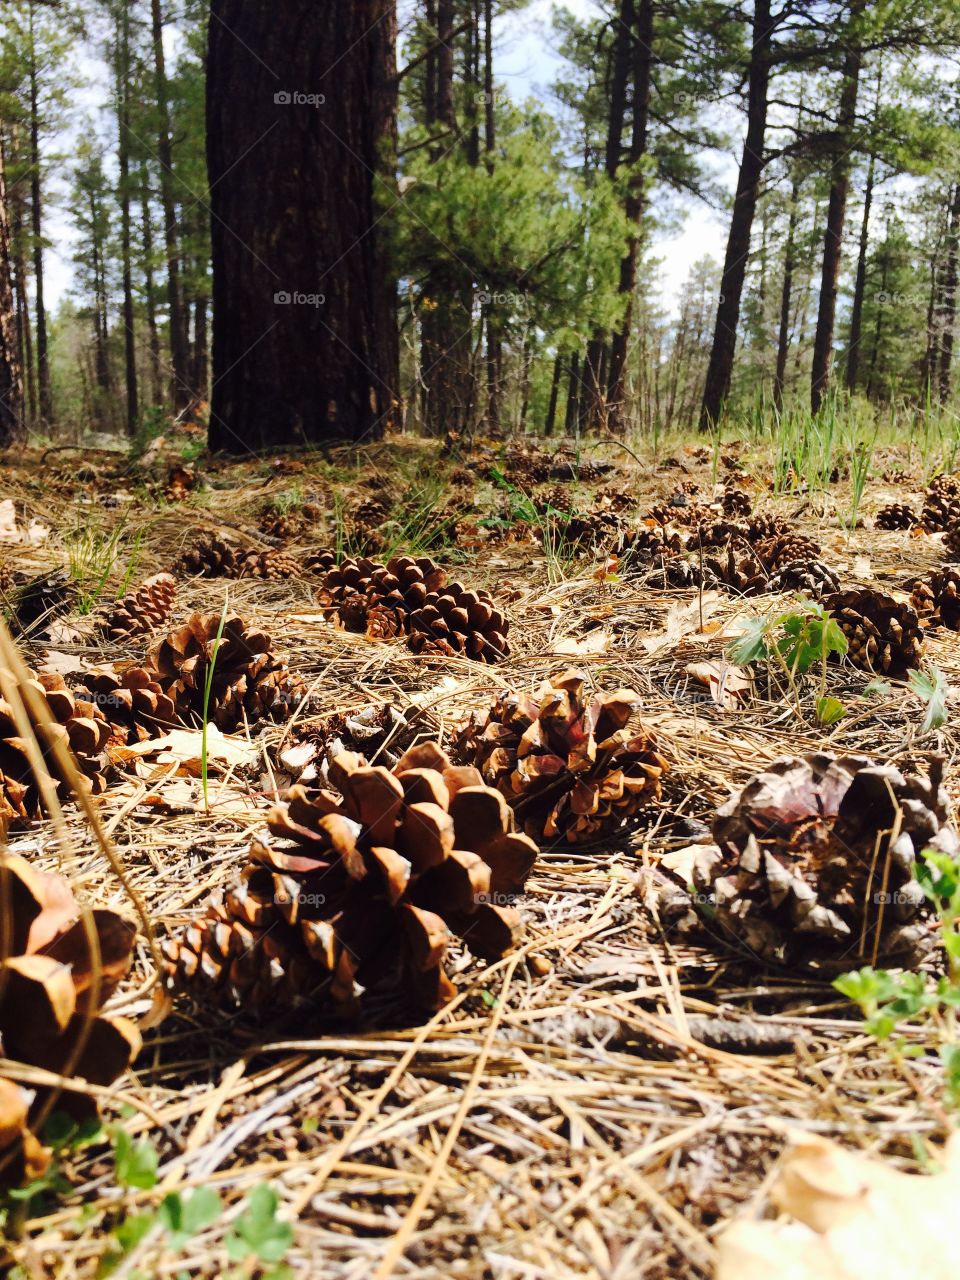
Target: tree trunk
[
  {"x": 178, "y": 322},
  {"x": 11, "y": 378},
  {"x": 19, "y": 273},
  {"x": 720, "y": 369},
  {"x": 554, "y": 395},
  {"x": 860, "y": 285},
  {"x": 949, "y": 300},
  {"x": 643, "y": 63},
  {"x": 786, "y": 292},
  {"x": 44, "y": 393},
  {"x": 836, "y": 213},
  {"x": 573, "y": 396},
  {"x": 199, "y": 371},
  {"x": 305, "y": 342},
  {"x": 153, "y": 332},
  {"x": 123, "y": 163}
]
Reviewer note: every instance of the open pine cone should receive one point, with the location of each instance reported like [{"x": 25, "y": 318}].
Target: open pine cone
[
  {"x": 209, "y": 557},
  {"x": 738, "y": 570},
  {"x": 941, "y": 510},
  {"x": 459, "y": 623},
  {"x": 143, "y": 610},
  {"x": 565, "y": 760},
  {"x": 79, "y": 724},
  {"x": 896, "y": 515},
  {"x": 735, "y": 502},
  {"x": 883, "y": 634},
  {"x": 811, "y": 577},
  {"x": 133, "y": 703},
  {"x": 804, "y": 869},
  {"x": 250, "y": 682},
  {"x": 50, "y": 994},
  {"x": 936, "y": 597},
  {"x": 364, "y": 892},
  {"x": 270, "y": 564}
]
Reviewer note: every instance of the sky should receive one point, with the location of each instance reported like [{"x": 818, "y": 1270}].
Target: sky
[{"x": 526, "y": 64}]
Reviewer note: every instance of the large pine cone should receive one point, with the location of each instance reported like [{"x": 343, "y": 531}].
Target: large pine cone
[
  {"x": 354, "y": 586},
  {"x": 812, "y": 577},
  {"x": 742, "y": 572},
  {"x": 48, "y": 978},
  {"x": 936, "y": 597},
  {"x": 761, "y": 528},
  {"x": 896, "y": 515},
  {"x": 642, "y": 546},
  {"x": 735, "y": 502},
  {"x": 209, "y": 557},
  {"x": 804, "y": 869},
  {"x": 883, "y": 635},
  {"x": 365, "y": 892},
  {"x": 77, "y": 723},
  {"x": 567, "y": 762},
  {"x": 250, "y": 682},
  {"x": 718, "y": 533},
  {"x": 143, "y": 610}
]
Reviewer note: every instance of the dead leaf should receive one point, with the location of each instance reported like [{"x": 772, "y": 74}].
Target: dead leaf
[
  {"x": 594, "y": 642},
  {"x": 849, "y": 1217},
  {"x": 730, "y": 687},
  {"x": 185, "y": 747},
  {"x": 862, "y": 568},
  {"x": 9, "y": 530}
]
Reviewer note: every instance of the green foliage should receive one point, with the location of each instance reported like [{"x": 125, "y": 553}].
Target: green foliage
[
  {"x": 258, "y": 1232},
  {"x": 931, "y": 687},
  {"x": 795, "y": 641},
  {"x": 926, "y": 1004}
]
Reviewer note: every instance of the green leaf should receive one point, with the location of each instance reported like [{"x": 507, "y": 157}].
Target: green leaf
[
  {"x": 257, "y": 1231},
  {"x": 136, "y": 1162},
  {"x": 132, "y": 1230},
  {"x": 184, "y": 1218},
  {"x": 751, "y": 644},
  {"x": 830, "y": 710},
  {"x": 932, "y": 688}
]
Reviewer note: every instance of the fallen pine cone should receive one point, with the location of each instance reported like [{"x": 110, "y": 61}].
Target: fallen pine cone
[
  {"x": 883, "y": 635},
  {"x": 51, "y": 988},
  {"x": 361, "y": 898},
  {"x": 566, "y": 762},
  {"x": 804, "y": 869},
  {"x": 143, "y": 610}
]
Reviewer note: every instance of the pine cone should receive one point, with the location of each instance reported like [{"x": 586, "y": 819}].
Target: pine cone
[
  {"x": 133, "y": 703},
  {"x": 945, "y": 486},
  {"x": 936, "y": 598},
  {"x": 896, "y": 515},
  {"x": 940, "y": 511},
  {"x": 951, "y": 541},
  {"x": 742, "y": 572},
  {"x": 7, "y": 580},
  {"x": 804, "y": 870},
  {"x": 784, "y": 549},
  {"x": 79, "y": 724},
  {"x": 456, "y": 622},
  {"x": 211, "y": 557},
  {"x": 717, "y": 533},
  {"x": 270, "y": 564},
  {"x": 643, "y": 546},
  {"x": 144, "y": 610},
  {"x": 364, "y": 893},
  {"x": 812, "y": 577},
  {"x": 48, "y": 978},
  {"x": 585, "y": 532},
  {"x": 250, "y": 683},
  {"x": 616, "y": 499},
  {"x": 553, "y": 498},
  {"x": 181, "y": 481},
  {"x": 735, "y": 502},
  {"x": 280, "y": 525},
  {"x": 566, "y": 761},
  {"x": 764, "y": 527},
  {"x": 320, "y": 562},
  {"x": 351, "y": 588},
  {"x": 883, "y": 635}
]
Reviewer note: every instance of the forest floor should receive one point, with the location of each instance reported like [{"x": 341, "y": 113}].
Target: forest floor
[{"x": 582, "y": 1108}]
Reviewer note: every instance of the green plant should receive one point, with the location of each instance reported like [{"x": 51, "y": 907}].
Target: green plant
[
  {"x": 65, "y": 1138},
  {"x": 795, "y": 641},
  {"x": 931, "y": 687},
  {"x": 861, "y": 460},
  {"x": 923, "y": 1002},
  {"x": 207, "y": 687}
]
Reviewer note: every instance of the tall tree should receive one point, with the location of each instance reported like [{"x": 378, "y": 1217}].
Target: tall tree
[
  {"x": 300, "y": 128},
  {"x": 122, "y": 78},
  {"x": 11, "y": 377}
]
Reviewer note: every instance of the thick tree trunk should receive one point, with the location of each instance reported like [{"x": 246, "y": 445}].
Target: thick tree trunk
[
  {"x": 178, "y": 320},
  {"x": 643, "y": 64},
  {"x": 836, "y": 214},
  {"x": 720, "y": 369},
  {"x": 949, "y": 300},
  {"x": 44, "y": 392},
  {"x": 860, "y": 284},
  {"x": 11, "y": 378},
  {"x": 123, "y": 162},
  {"x": 304, "y": 306}
]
